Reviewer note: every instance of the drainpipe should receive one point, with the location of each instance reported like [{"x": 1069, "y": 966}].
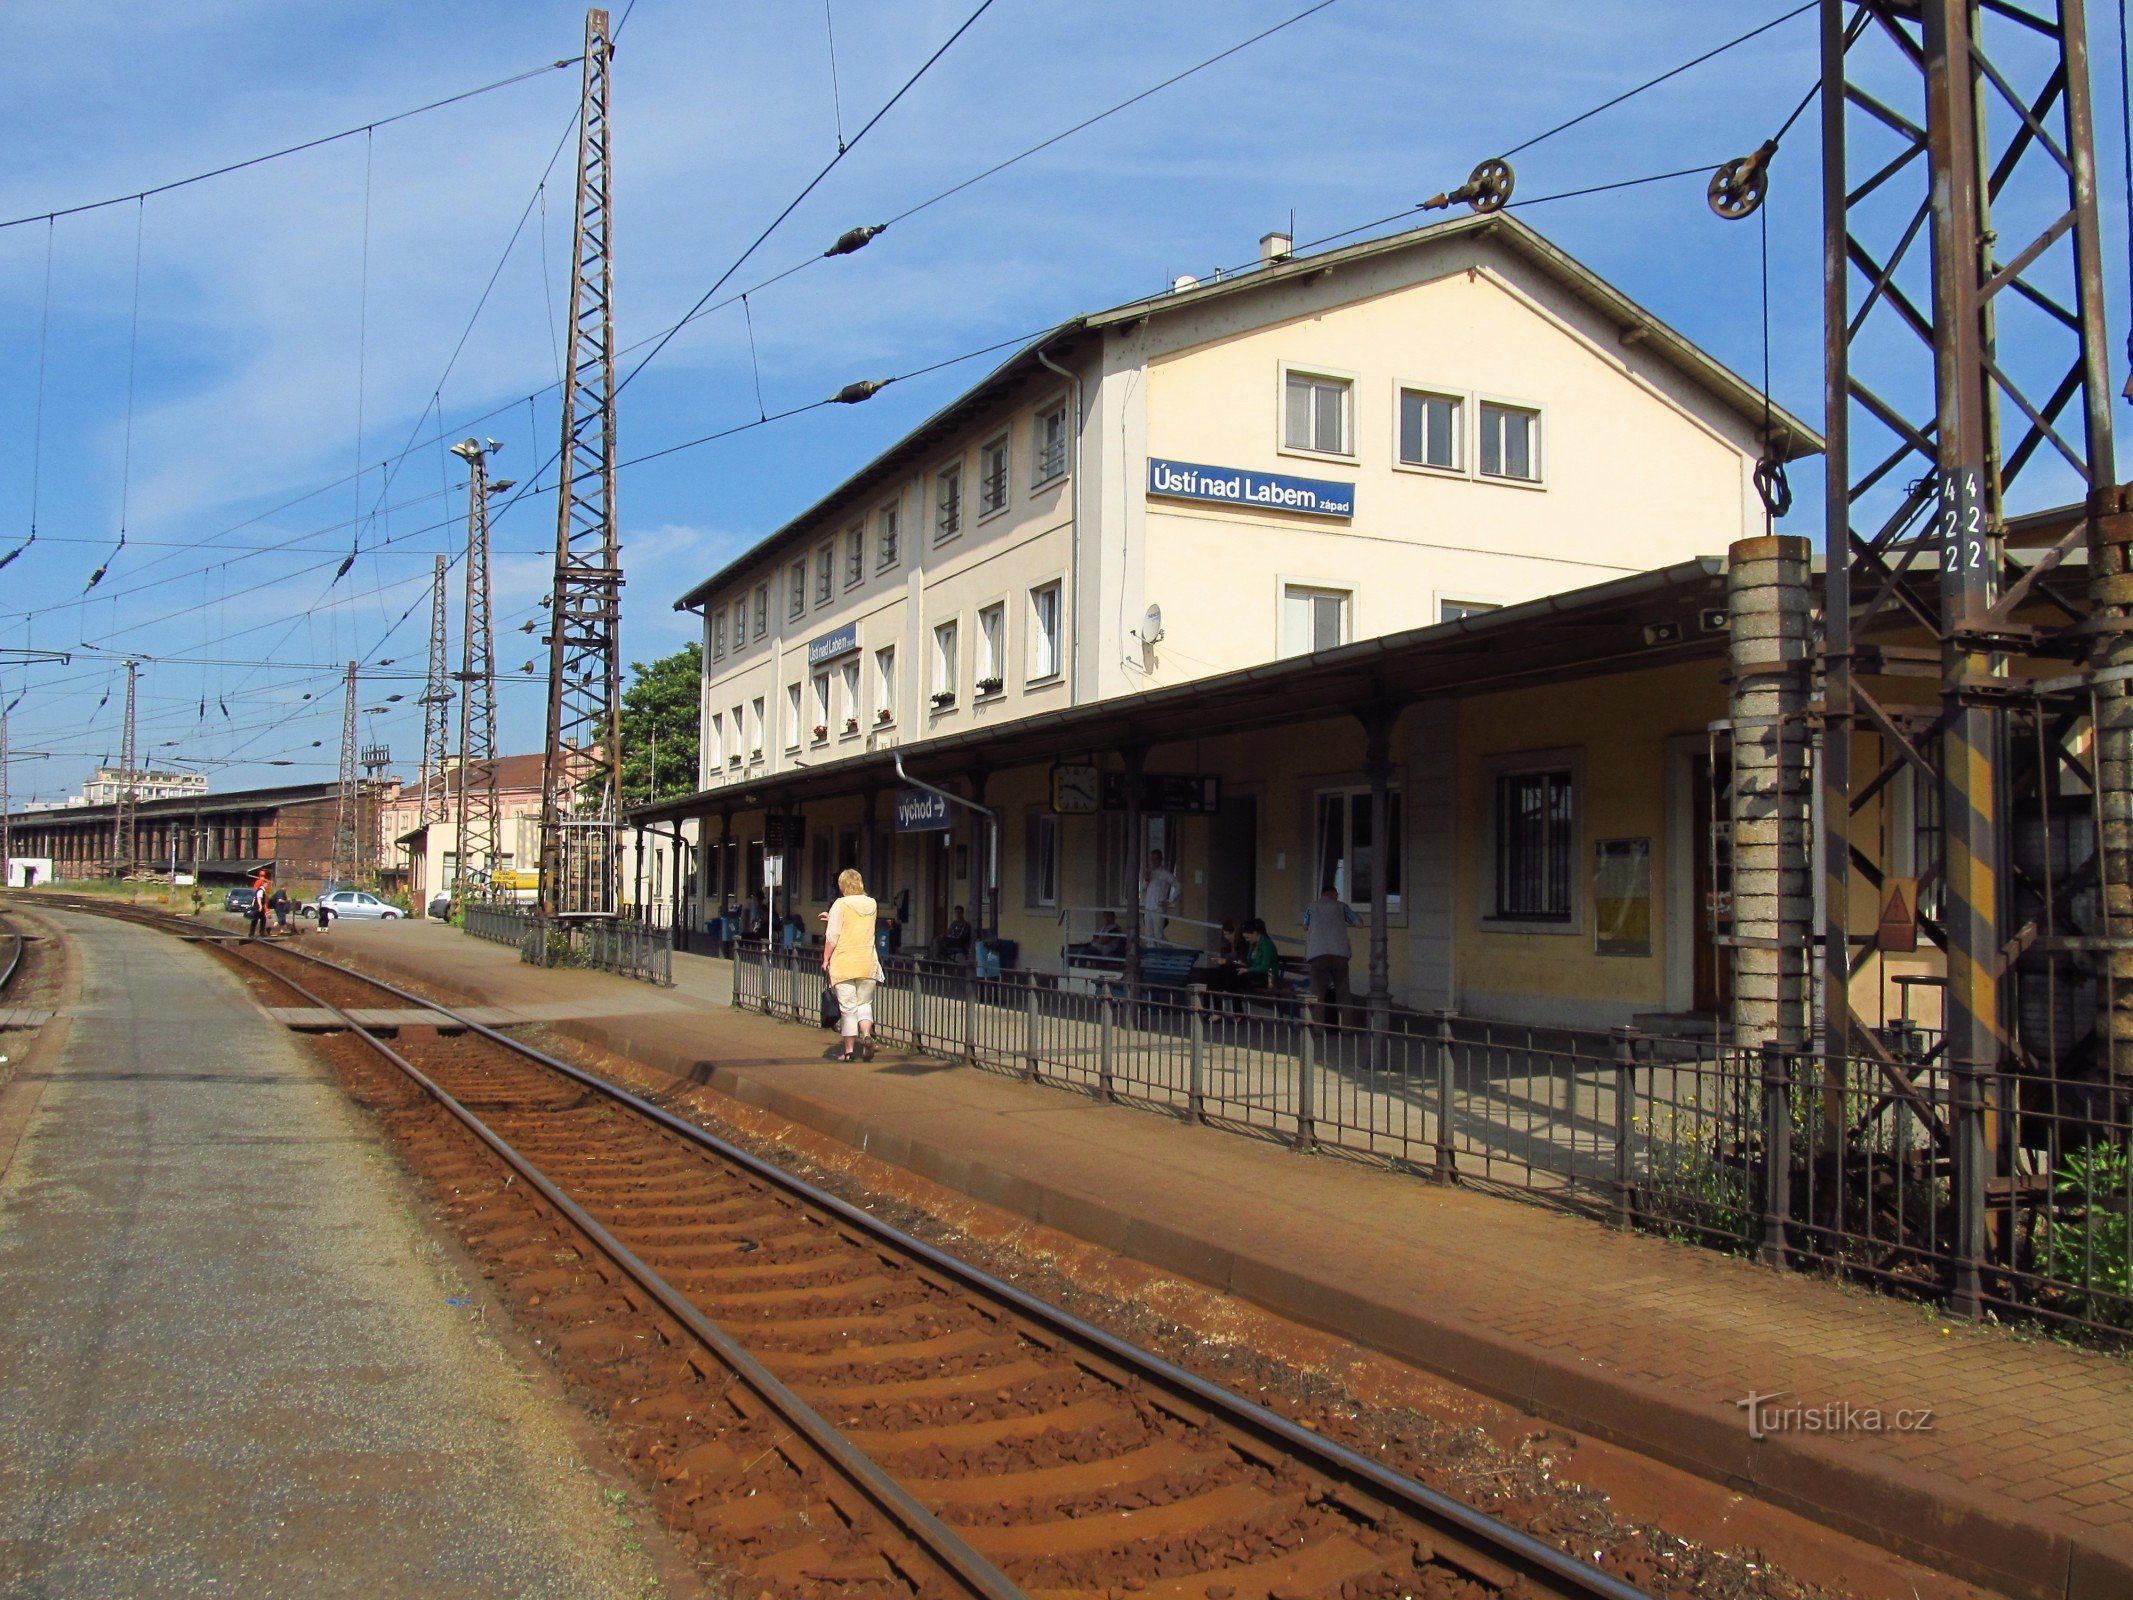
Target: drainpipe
[
  {"x": 992, "y": 821},
  {"x": 1073, "y": 529}
]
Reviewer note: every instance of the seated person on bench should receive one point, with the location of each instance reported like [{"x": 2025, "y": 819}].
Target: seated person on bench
[
  {"x": 1110, "y": 939},
  {"x": 1262, "y": 962}
]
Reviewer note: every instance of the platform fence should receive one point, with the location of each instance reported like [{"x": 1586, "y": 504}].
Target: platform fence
[
  {"x": 1893, "y": 1169},
  {"x": 625, "y": 946}
]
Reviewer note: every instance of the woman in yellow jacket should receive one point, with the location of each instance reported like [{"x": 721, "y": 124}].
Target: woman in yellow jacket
[{"x": 849, "y": 960}]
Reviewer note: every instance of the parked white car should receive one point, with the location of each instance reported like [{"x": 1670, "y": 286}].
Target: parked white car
[{"x": 355, "y": 903}]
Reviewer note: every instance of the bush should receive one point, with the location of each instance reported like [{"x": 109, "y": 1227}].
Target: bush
[{"x": 2085, "y": 1242}]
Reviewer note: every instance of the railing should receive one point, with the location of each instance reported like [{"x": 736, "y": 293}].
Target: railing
[
  {"x": 2008, "y": 1192},
  {"x": 626, "y": 948}
]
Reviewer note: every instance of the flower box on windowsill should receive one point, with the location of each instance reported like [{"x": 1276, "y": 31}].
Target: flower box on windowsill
[
  {"x": 884, "y": 715},
  {"x": 821, "y": 732},
  {"x": 755, "y": 755},
  {"x": 991, "y": 685},
  {"x": 734, "y": 761},
  {"x": 851, "y": 724},
  {"x": 943, "y": 700}
]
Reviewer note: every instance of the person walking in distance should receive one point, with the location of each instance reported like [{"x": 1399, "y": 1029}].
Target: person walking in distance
[
  {"x": 852, "y": 964},
  {"x": 255, "y": 916},
  {"x": 280, "y": 903},
  {"x": 1326, "y": 922},
  {"x": 1159, "y": 896}
]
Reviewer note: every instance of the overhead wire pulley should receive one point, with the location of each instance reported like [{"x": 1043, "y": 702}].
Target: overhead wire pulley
[{"x": 1487, "y": 188}]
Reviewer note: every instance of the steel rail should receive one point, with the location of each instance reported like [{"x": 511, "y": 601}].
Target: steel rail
[
  {"x": 1444, "y": 1517},
  {"x": 14, "y": 959},
  {"x": 890, "y": 1498}
]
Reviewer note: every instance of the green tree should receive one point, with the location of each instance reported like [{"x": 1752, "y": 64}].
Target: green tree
[{"x": 659, "y": 720}]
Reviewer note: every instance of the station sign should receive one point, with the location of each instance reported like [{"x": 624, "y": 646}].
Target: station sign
[
  {"x": 920, "y": 811},
  {"x": 1260, "y": 491},
  {"x": 1189, "y": 793},
  {"x": 832, "y": 645}
]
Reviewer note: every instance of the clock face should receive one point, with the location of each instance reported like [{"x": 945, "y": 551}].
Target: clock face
[{"x": 1076, "y": 789}]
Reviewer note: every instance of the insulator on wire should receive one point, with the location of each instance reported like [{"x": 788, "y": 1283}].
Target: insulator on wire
[
  {"x": 855, "y": 238},
  {"x": 852, "y": 393}
]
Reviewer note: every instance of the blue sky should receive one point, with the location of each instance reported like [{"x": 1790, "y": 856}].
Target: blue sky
[{"x": 266, "y": 305}]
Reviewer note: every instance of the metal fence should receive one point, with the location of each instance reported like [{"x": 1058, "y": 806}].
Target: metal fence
[
  {"x": 625, "y": 947},
  {"x": 2009, "y": 1191}
]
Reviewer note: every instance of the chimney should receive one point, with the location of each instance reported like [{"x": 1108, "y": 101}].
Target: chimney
[{"x": 1275, "y": 248}]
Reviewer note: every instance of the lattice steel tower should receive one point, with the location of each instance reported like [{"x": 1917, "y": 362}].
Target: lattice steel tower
[
  {"x": 436, "y": 707},
  {"x": 125, "y": 799},
  {"x": 348, "y": 813},
  {"x": 1963, "y": 291},
  {"x": 581, "y": 772},
  {"x": 477, "y": 841}
]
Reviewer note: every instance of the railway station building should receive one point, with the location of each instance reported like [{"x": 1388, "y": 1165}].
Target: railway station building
[{"x": 1397, "y": 566}]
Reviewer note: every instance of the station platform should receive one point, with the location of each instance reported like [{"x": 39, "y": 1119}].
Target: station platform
[
  {"x": 2022, "y": 1480},
  {"x": 234, "y": 1362}
]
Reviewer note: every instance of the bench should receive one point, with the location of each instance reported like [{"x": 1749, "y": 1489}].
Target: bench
[{"x": 1163, "y": 966}]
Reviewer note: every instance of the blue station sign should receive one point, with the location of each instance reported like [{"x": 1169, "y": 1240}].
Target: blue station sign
[
  {"x": 1262, "y": 491},
  {"x": 832, "y": 645},
  {"x": 920, "y": 812}
]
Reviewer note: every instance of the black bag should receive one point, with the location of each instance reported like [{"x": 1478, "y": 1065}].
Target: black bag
[{"x": 832, "y": 1012}]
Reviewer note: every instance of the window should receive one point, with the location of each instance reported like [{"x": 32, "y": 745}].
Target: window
[
  {"x": 851, "y": 695},
  {"x": 1510, "y": 442},
  {"x": 1315, "y": 413},
  {"x": 855, "y": 555},
  {"x": 821, "y": 703},
  {"x": 718, "y": 738},
  {"x": 1348, "y": 857},
  {"x": 796, "y": 588},
  {"x": 819, "y": 848},
  {"x": 733, "y": 751},
  {"x": 992, "y": 648},
  {"x": 1453, "y": 610},
  {"x": 825, "y": 574},
  {"x": 1312, "y": 619},
  {"x": 1430, "y": 430},
  {"x": 740, "y": 622},
  {"x": 762, "y": 609},
  {"x": 755, "y": 729},
  {"x": 947, "y": 503},
  {"x": 1044, "y": 631},
  {"x": 885, "y": 684},
  {"x": 888, "y": 536},
  {"x": 1534, "y": 824},
  {"x": 1040, "y": 859},
  {"x": 792, "y": 716},
  {"x": 1048, "y": 445},
  {"x": 944, "y": 664},
  {"x": 992, "y": 477},
  {"x": 718, "y": 634}
]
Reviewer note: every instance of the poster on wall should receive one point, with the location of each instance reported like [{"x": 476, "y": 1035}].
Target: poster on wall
[{"x": 1622, "y": 897}]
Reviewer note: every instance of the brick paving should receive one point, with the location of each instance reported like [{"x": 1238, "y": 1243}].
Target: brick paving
[{"x": 2024, "y": 1479}]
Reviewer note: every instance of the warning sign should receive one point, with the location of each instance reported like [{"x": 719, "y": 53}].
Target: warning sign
[{"x": 1898, "y": 931}]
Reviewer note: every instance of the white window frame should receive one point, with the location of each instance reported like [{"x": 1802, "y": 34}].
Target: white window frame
[
  {"x": 740, "y": 622},
  {"x": 718, "y": 741},
  {"x": 888, "y": 535},
  {"x": 853, "y": 724},
  {"x": 1044, "y": 472},
  {"x": 934, "y": 480},
  {"x": 990, "y": 666},
  {"x": 1041, "y": 858},
  {"x": 1306, "y": 369},
  {"x": 885, "y": 686},
  {"x": 1464, "y": 435},
  {"x": 820, "y": 729},
  {"x": 762, "y": 610},
  {"x": 755, "y": 745},
  {"x": 796, "y": 581},
  {"x": 1052, "y": 638},
  {"x": 1482, "y": 602},
  {"x": 825, "y": 573},
  {"x": 1511, "y": 764},
  {"x": 1002, "y": 447},
  {"x": 1350, "y": 593},
  {"x": 947, "y": 664},
  {"x": 740, "y": 740},
  {"x": 1539, "y": 451},
  {"x": 793, "y": 728},
  {"x": 855, "y": 555},
  {"x": 1350, "y": 791},
  {"x": 718, "y": 634}
]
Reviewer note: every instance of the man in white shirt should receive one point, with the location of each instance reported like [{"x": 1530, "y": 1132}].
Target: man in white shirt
[
  {"x": 1159, "y": 896},
  {"x": 1326, "y": 922}
]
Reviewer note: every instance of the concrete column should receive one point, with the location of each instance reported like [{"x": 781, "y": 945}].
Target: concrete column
[
  {"x": 1135, "y": 755},
  {"x": 1770, "y": 604},
  {"x": 1377, "y": 763},
  {"x": 2111, "y": 609}
]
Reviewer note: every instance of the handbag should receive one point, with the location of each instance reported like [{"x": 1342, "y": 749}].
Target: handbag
[{"x": 832, "y": 1012}]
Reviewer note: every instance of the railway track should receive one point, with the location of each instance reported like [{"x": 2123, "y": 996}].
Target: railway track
[{"x": 824, "y": 1402}]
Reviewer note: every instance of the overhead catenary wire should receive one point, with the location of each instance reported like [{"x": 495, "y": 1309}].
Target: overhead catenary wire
[{"x": 133, "y": 349}]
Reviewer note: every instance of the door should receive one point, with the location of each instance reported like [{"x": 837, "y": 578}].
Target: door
[{"x": 1233, "y": 860}]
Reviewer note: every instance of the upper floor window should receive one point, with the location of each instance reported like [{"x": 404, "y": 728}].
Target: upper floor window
[
  {"x": 822, "y": 706},
  {"x": 885, "y": 684},
  {"x": 1510, "y": 442},
  {"x": 1048, "y": 445},
  {"x": 796, "y": 588},
  {"x": 825, "y": 574},
  {"x": 1454, "y": 610},
  {"x": 849, "y": 672},
  {"x": 755, "y": 729},
  {"x": 855, "y": 555},
  {"x": 1313, "y": 619},
  {"x": 888, "y": 536},
  {"x": 740, "y": 622},
  {"x": 740, "y": 737},
  {"x": 792, "y": 716},
  {"x": 1317, "y": 413},
  {"x": 1430, "y": 429},
  {"x": 992, "y": 648},
  {"x": 718, "y": 738},
  {"x": 718, "y": 633},
  {"x": 947, "y": 503},
  {"x": 992, "y": 477},
  {"x": 1044, "y": 631},
  {"x": 944, "y": 664},
  {"x": 762, "y": 609}
]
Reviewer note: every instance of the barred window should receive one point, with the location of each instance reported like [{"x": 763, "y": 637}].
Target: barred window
[{"x": 1535, "y": 819}]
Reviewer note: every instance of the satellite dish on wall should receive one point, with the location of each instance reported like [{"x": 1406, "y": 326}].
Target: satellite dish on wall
[{"x": 1152, "y": 625}]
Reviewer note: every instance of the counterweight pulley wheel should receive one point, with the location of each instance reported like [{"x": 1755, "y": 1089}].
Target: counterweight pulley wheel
[
  {"x": 1738, "y": 187},
  {"x": 1488, "y": 187}
]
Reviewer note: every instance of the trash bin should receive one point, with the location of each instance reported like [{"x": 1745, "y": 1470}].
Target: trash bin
[
  {"x": 1007, "y": 951},
  {"x": 988, "y": 957}
]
